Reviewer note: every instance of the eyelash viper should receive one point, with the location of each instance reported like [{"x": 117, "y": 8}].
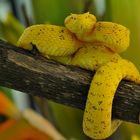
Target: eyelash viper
[{"x": 92, "y": 45}]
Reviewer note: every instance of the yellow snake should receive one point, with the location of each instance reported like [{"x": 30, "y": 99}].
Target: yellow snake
[{"x": 92, "y": 45}]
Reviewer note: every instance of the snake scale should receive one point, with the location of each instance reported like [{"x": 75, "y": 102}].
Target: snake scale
[{"x": 91, "y": 45}]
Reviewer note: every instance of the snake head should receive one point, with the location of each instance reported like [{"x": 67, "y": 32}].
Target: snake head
[{"x": 80, "y": 23}]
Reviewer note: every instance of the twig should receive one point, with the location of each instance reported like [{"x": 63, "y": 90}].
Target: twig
[
  {"x": 38, "y": 76},
  {"x": 87, "y": 5}
]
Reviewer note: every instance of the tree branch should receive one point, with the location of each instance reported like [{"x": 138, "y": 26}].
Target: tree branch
[{"x": 38, "y": 76}]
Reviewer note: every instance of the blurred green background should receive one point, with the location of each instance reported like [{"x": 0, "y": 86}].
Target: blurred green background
[{"x": 15, "y": 15}]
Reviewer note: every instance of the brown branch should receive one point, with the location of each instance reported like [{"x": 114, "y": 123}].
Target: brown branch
[
  {"x": 87, "y": 5},
  {"x": 38, "y": 76}
]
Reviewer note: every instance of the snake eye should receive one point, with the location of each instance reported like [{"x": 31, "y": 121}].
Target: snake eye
[
  {"x": 70, "y": 18},
  {"x": 71, "y": 22}
]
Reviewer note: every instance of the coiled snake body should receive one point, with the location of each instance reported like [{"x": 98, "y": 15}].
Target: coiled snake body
[{"x": 91, "y": 45}]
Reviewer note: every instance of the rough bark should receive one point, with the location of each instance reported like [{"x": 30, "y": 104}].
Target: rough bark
[{"x": 24, "y": 71}]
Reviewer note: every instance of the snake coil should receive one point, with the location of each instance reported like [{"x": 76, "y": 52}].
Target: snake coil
[{"x": 91, "y": 45}]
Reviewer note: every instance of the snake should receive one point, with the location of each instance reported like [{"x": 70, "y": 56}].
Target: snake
[{"x": 93, "y": 45}]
